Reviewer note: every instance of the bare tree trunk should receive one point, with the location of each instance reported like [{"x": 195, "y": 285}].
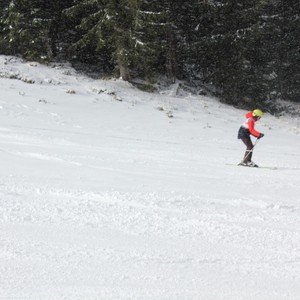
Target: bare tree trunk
[
  {"x": 171, "y": 64},
  {"x": 124, "y": 72}
]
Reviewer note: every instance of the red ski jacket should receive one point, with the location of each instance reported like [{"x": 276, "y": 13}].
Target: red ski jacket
[{"x": 249, "y": 124}]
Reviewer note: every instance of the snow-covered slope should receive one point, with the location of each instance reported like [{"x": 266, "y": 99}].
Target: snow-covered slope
[{"x": 105, "y": 195}]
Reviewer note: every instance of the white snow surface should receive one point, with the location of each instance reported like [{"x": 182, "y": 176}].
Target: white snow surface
[{"x": 104, "y": 195}]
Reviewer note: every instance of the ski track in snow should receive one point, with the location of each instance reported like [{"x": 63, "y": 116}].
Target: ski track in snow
[{"x": 106, "y": 199}]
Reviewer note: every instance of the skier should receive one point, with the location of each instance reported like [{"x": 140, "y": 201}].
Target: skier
[{"x": 244, "y": 133}]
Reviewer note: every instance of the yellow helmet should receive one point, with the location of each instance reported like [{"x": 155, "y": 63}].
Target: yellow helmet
[{"x": 257, "y": 113}]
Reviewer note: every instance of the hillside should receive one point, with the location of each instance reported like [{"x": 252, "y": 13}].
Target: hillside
[{"x": 107, "y": 192}]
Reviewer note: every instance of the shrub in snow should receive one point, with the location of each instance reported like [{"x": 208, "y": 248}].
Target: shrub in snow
[{"x": 70, "y": 92}]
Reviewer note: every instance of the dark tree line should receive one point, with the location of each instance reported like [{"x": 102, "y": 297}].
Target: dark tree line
[{"x": 248, "y": 50}]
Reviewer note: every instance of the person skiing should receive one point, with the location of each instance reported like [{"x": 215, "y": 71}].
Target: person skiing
[{"x": 244, "y": 133}]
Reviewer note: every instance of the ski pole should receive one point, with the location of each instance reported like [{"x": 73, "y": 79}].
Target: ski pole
[{"x": 250, "y": 151}]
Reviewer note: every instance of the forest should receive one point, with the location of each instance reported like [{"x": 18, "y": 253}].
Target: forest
[{"x": 246, "y": 52}]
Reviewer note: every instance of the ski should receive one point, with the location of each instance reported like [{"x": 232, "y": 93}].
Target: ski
[
  {"x": 268, "y": 167},
  {"x": 260, "y": 167},
  {"x": 255, "y": 167}
]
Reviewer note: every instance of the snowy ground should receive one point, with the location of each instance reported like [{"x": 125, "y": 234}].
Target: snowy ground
[{"x": 103, "y": 196}]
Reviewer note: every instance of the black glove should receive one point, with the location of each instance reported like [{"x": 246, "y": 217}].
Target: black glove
[{"x": 261, "y": 135}]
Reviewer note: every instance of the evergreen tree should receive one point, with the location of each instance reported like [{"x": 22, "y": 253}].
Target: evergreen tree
[
  {"x": 195, "y": 21},
  {"x": 4, "y": 9},
  {"x": 59, "y": 29},
  {"x": 28, "y": 32},
  {"x": 237, "y": 64},
  {"x": 35, "y": 28},
  {"x": 151, "y": 39},
  {"x": 107, "y": 28},
  {"x": 278, "y": 49},
  {"x": 286, "y": 47},
  {"x": 135, "y": 35}
]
